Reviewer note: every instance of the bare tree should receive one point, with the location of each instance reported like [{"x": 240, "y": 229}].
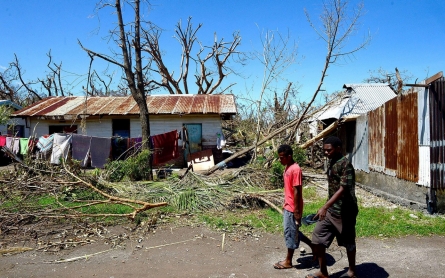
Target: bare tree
[
  {"x": 128, "y": 37},
  {"x": 211, "y": 62},
  {"x": 338, "y": 24},
  {"x": 14, "y": 87},
  {"x": 395, "y": 79},
  {"x": 277, "y": 55},
  {"x": 53, "y": 80}
]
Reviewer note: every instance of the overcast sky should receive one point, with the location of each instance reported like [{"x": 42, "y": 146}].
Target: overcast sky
[{"x": 406, "y": 34}]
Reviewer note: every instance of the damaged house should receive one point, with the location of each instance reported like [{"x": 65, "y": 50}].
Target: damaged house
[
  {"x": 118, "y": 117},
  {"x": 397, "y": 146}
]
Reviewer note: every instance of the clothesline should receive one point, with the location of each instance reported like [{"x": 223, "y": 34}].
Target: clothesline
[{"x": 96, "y": 150}]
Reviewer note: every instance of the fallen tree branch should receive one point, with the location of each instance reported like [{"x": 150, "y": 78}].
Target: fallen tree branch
[
  {"x": 79, "y": 258},
  {"x": 270, "y": 204},
  {"x": 145, "y": 205}
]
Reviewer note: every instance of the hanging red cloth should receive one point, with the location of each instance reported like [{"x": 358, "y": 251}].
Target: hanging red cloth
[
  {"x": 2, "y": 140},
  {"x": 165, "y": 147}
]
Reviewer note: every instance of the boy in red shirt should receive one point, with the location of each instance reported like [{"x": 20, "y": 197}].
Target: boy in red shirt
[{"x": 293, "y": 205}]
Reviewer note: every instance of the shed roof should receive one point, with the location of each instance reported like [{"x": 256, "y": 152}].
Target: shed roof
[
  {"x": 157, "y": 105},
  {"x": 358, "y": 99},
  {"x": 10, "y": 103}
]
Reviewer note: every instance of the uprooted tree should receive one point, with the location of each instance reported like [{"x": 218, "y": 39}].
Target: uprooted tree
[{"x": 339, "y": 23}]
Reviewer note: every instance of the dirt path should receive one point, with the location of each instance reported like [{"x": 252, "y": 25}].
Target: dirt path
[{"x": 197, "y": 252}]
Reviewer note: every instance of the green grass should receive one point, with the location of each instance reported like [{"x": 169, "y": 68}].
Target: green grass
[{"x": 371, "y": 221}]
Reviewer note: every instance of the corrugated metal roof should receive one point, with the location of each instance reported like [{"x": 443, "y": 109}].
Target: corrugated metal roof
[
  {"x": 157, "y": 105},
  {"x": 359, "y": 99}
]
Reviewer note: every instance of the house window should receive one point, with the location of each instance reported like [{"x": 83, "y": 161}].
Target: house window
[
  {"x": 121, "y": 128},
  {"x": 16, "y": 130},
  {"x": 62, "y": 129}
]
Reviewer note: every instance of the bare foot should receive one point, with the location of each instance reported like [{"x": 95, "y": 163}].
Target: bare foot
[{"x": 316, "y": 275}]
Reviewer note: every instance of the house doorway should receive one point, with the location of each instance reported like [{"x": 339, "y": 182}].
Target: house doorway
[{"x": 194, "y": 139}]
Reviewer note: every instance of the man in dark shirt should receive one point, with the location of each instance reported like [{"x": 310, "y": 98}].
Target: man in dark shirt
[{"x": 337, "y": 218}]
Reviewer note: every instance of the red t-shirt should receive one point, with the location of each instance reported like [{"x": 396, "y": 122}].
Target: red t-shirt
[{"x": 292, "y": 177}]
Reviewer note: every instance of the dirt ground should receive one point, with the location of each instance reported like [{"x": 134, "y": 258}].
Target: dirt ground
[
  {"x": 187, "y": 249},
  {"x": 195, "y": 251}
]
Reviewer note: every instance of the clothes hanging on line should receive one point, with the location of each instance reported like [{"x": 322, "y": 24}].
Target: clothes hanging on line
[
  {"x": 100, "y": 151},
  {"x": 61, "y": 144},
  {"x": 13, "y": 144},
  {"x": 81, "y": 145},
  {"x": 45, "y": 143},
  {"x": 24, "y": 145},
  {"x": 134, "y": 145},
  {"x": 165, "y": 147},
  {"x": 2, "y": 140}
]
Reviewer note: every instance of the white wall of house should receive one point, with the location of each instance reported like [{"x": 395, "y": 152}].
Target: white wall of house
[{"x": 211, "y": 124}]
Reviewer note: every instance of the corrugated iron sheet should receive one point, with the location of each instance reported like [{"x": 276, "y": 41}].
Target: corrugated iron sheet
[
  {"x": 437, "y": 133},
  {"x": 423, "y": 112},
  {"x": 391, "y": 140},
  {"x": 159, "y": 104},
  {"x": 407, "y": 146},
  {"x": 358, "y": 99},
  {"x": 376, "y": 139},
  {"x": 360, "y": 154},
  {"x": 424, "y": 166},
  {"x": 368, "y": 96}
]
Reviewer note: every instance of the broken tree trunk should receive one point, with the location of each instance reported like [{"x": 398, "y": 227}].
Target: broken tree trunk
[
  {"x": 246, "y": 150},
  {"x": 320, "y": 135}
]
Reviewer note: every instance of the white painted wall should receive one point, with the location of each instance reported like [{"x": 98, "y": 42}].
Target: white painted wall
[{"x": 211, "y": 124}]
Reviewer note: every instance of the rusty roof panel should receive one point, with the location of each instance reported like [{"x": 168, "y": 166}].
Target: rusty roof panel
[
  {"x": 32, "y": 107},
  {"x": 183, "y": 105},
  {"x": 71, "y": 104},
  {"x": 122, "y": 107},
  {"x": 82, "y": 109},
  {"x": 159, "y": 104},
  {"x": 35, "y": 108},
  {"x": 168, "y": 105},
  {"x": 227, "y": 104},
  {"x": 213, "y": 103},
  {"x": 54, "y": 106},
  {"x": 111, "y": 105},
  {"x": 198, "y": 104},
  {"x": 156, "y": 104},
  {"x": 97, "y": 104}
]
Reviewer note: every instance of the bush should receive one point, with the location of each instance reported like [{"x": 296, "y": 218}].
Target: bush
[
  {"x": 135, "y": 168},
  {"x": 278, "y": 169}
]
